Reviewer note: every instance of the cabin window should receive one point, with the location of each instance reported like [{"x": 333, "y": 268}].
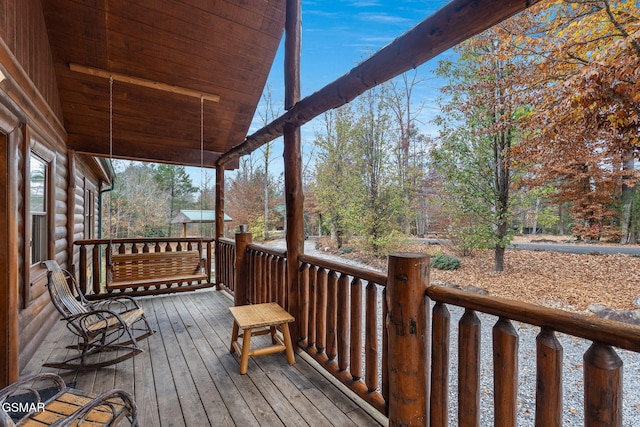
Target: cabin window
[
  {"x": 38, "y": 203},
  {"x": 89, "y": 214}
]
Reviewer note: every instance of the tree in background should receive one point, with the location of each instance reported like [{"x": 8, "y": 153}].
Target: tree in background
[
  {"x": 174, "y": 181},
  {"x": 382, "y": 209},
  {"x": 535, "y": 210},
  {"x": 410, "y": 153},
  {"x": 244, "y": 195},
  {"x": 335, "y": 186},
  {"x": 137, "y": 206},
  {"x": 357, "y": 190},
  {"x": 477, "y": 134},
  {"x": 583, "y": 127},
  {"x": 267, "y": 114}
]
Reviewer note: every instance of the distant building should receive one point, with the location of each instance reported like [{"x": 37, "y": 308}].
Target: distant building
[{"x": 196, "y": 223}]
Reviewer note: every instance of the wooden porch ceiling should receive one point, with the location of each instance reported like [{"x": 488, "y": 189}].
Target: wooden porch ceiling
[{"x": 163, "y": 54}]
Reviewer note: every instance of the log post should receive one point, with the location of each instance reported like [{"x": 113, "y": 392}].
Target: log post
[
  {"x": 439, "y": 409},
  {"x": 241, "y": 270},
  {"x": 343, "y": 322},
  {"x": 505, "y": 373},
  {"x": 294, "y": 198},
  {"x": 408, "y": 333},
  {"x": 9, "y": 276},
  {"x": 332, "y": 316},
  {"x": 469, "y": 369},
  {"x": 303, "y": 280},
  {"x": 82, "y": 279},
  {"x": 321, "y": 310},
  {"x": 602, "y": 387},
  {"x": 355, "y": 351},
  {"x": 219, "y": 224},
  {"x": 313, "y": 301},
  {"x": 96, "y": 269},
  {"x": 548, "y": 379},
  {"x": 371, "y": 338},
  {"x": 208, "y": 263}
]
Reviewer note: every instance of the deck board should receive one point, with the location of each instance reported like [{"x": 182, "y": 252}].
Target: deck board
[{"x": 186, "y": 375}]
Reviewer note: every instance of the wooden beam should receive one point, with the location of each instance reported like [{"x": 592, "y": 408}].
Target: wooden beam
[
  {"x": 454, "y": 23},
  {"x": 143, "y": 82},
  {"x": 142, "y": 151}
]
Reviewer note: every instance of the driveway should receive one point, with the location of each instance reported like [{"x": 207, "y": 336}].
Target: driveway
[{"x": 573, "y": 248}]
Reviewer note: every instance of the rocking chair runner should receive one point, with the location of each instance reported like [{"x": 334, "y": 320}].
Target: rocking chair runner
[
  {"x": 68, "y": 407},
  {"x": 107, "y": 325}
]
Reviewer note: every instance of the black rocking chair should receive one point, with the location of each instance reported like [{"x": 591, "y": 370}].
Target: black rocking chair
[{"x": 103, "y": 326}]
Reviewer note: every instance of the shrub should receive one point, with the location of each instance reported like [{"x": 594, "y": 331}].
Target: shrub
[
  {"x": 444, "y": 262},
  {"x": 346, "y": 250}
]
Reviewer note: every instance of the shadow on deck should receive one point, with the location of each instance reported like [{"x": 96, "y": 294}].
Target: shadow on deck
[{"x": 186, "y": 375}]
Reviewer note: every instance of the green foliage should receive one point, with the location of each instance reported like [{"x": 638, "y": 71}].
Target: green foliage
[
  {"x": 175, "y": 180},
  {"x": 536, "y": 210},
  {"x": 444, "y": 262},
  {"x": 385, "y": 244},
  {"x": 347, "y": 249},
  {"x": 256, "y": 228},
  {"x": 478, "y": 130},
  {"x": 336, "y": 186},
  {"x": 357, "y": 188},
  {"x": 175, "y": 183},
  {"x": 136, "y": 207}
]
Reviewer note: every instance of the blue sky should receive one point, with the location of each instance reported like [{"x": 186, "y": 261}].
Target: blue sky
[{"x": 339, "y": 34}]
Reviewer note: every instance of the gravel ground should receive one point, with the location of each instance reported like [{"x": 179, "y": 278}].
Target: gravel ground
[
  {"x": 573, "y": 388},
  {"x": 573, "y": 393}
]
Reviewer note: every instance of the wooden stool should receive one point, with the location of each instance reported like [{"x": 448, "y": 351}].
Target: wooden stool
[{"x": 249, "y": 317}]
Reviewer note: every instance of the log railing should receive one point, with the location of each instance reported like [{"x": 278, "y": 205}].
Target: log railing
[
  {"x": 341, "y": 324},
  {"x": 602, "y": 367},
  {"x": 267, "y": 275},
  {"x": 225, "y": 258},
  {"x": 95, "y": 255},
  {"x": 378, "y": 335}
]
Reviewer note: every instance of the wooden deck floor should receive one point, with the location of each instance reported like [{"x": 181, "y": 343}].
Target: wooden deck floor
[{"x": 187, "y": 377}]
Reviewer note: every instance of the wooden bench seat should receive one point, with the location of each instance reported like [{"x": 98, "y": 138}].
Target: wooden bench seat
[{"x": 155, "y": 268}]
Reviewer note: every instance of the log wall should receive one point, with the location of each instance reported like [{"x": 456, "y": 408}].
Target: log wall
[{"x": 31, "y": 120}]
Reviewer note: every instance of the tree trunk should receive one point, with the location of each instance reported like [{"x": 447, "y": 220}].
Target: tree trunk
[
  {"x": 498, "y": 261},
  {"x": 628, "y": 193},
  {"x": 534, "y": 231}
]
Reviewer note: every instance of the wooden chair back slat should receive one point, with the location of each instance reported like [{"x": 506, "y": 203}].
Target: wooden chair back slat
[{"x": 61, "y": 294}]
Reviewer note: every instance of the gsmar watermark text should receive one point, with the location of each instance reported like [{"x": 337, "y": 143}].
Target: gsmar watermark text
[{"x": 23, "y": 406}]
